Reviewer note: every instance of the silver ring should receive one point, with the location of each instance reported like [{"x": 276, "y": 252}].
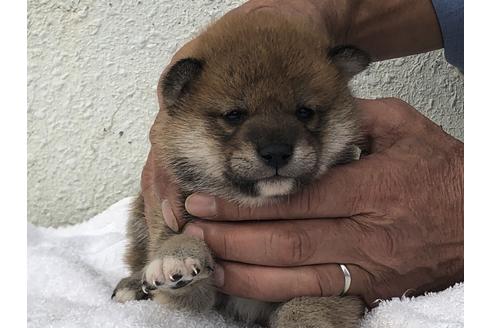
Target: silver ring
[{"x": 347, "y": 279}]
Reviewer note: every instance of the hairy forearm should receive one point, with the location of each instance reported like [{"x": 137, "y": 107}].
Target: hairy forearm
[{"x": 384, "y": 28}]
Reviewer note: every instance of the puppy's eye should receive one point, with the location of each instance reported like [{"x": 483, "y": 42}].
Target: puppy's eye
[
  {"x": 304, "y": 114},
  {"x": 234, "y": 116}
]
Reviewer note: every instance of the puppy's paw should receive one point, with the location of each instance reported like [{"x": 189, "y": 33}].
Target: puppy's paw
[
  {"x": 172, "y": 273},
  {"x": 180, "y": 262},
  {"x": 129, "y": 289},
  {"x": 180, "y": 274}
]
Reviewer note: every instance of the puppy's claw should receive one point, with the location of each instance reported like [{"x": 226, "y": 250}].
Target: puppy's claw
[{"x": 146, "y": 287}]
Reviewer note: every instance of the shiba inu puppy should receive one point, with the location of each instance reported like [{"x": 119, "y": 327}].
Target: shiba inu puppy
[{"x": 259, "y": 109}]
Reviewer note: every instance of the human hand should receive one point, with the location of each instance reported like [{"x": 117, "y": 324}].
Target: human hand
[{"x": 395, "y": 218}]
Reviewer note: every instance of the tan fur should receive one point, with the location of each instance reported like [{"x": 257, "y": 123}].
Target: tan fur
[
  {"x": 309, "y": 312},
  {"x": 267, "y": 68}
]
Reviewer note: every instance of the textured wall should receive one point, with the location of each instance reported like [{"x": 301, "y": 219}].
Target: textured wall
[{"x": 93, "y": 67}]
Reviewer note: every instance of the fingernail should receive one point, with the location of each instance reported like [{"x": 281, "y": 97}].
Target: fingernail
[
  {"x": 169, "y": 216},
  {"x": 219, "y": 275},
  {"x": 193, "y": 230},
  {"x": 200, "y": 205}
]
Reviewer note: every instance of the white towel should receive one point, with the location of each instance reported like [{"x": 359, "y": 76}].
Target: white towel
[{"x": 72, "y": 272}]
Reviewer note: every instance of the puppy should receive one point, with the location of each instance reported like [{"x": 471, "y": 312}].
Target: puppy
[{"x": 259, "y": 109}]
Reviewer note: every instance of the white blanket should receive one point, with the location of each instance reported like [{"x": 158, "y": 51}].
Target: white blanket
[{"x": 72, "y": 272}]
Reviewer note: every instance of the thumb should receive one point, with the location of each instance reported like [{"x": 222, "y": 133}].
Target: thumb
[
  {"x": 161, "y": 193},
  {"x": 386, "y": 120}
]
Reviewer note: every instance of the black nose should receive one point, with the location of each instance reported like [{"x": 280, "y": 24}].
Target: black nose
[{"x": 276, "y": 155}]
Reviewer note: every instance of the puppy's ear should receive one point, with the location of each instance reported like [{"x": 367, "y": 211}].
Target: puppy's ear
[
  {"x": 178, "y": 79},
  {"x": 349, "y": 59}
]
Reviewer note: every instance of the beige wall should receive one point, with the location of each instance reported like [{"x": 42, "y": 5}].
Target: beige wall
[{"x": 92, "y": 72}]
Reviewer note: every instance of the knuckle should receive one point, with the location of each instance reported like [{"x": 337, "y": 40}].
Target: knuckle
[
  {"x": 294, "y": 247},
  {"x": 225, "y": 250},
  {"x": 220, "y": 242},
  {"x": 253, "y": 288},
  {"x": 322, "y": 286}
]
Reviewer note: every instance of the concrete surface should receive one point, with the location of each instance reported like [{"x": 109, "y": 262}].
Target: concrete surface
[{"x": 93, "y": 68}]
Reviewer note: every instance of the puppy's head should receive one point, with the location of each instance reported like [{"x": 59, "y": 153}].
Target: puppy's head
[{"x": 255, "y": 114}]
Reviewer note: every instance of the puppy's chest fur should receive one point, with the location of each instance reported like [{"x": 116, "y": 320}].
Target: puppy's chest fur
[{"x": 259, "y": 109}]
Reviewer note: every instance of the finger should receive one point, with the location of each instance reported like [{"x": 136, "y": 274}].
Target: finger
[
  {"x": 283, "y": 243},
  {"x": 281, "y": 284},
  {"x": 343, "y": 191},
  {"x": 169, "y": 216},
  {"x": 172, "y": 208}
]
